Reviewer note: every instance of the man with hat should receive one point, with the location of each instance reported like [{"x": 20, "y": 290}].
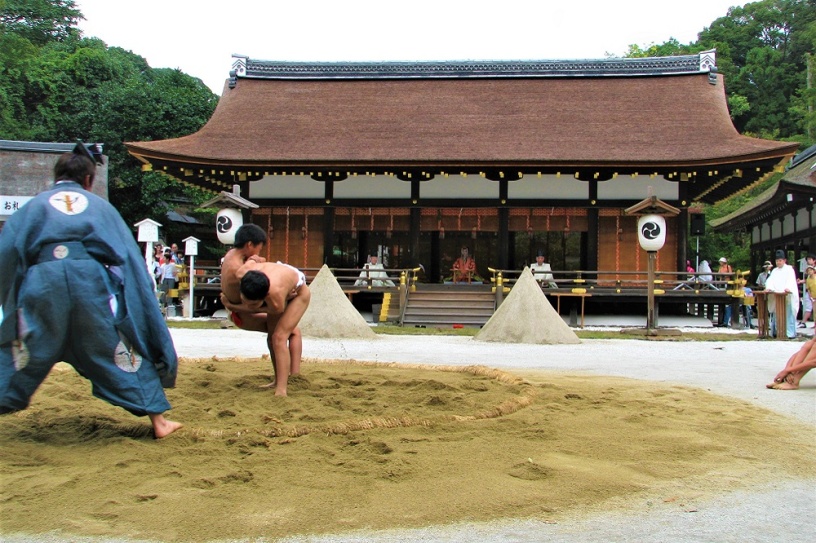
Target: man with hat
[
  {"x": 74, "y": 288},
  {"x": 783, "y": 280},
  {"x": 374, "y": 273},
  {"x": 542, "y": 271}
]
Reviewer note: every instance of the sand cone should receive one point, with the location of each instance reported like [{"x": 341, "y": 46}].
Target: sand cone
[
  {"x": 330, "y": 313},
  {"x": 526, "y": 316}
]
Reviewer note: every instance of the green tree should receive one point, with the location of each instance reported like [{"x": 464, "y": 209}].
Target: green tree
[
  {"x": 672, "y": 47},
  {"x": 40, "y": 21},
  {"x": 57, "y": 85},
  {"x": 761, "y": 50}
]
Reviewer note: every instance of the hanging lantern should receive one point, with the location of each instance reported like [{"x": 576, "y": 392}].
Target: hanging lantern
[
  {"x": 652, "y": 232},
  {"x": 227, "y": 222}
]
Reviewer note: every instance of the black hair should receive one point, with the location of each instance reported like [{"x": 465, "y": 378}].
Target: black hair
[
  {"x": 249, "y": 233},
  {"x": 254, "y": 285},
  {"x": 73, "y": 167}
]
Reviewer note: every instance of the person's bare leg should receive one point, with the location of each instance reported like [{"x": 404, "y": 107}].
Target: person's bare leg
[
  {"x": 795, "y": 358},
  {"x": 803, "y": 360},
  {"x": 295, "y": 351},
  {"x": 270, "y": 324},
  {"x": 161, "y": 426},
  {"x": 280, "y": 338}
]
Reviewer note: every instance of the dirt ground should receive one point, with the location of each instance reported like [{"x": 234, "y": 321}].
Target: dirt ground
[{"x": 377, "y": 445}]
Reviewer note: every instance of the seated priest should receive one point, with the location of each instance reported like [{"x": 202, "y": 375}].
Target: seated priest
[
  {"x": 464, "y": 268},
  {"x": 542, "y": 271},
  {"x": 374, "y": 274}
]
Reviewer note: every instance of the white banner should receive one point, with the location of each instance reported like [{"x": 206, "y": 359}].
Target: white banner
[{"x": 10, "y": 204}]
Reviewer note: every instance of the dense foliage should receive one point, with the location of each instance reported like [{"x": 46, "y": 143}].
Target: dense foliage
[{"x": 56, "y": 85}]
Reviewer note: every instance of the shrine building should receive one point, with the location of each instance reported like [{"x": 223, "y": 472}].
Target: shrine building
[{"x": 415, "y": 160}]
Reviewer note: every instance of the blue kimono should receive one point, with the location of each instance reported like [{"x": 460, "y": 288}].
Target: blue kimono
[{"x": 74, "y": 287}]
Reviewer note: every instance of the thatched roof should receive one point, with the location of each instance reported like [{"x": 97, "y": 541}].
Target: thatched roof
[{"x": 598, "y": 119}]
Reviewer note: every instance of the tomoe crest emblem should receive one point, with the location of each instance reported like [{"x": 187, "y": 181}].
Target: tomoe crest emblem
[
  {"x": 224, "y": 224},
  {"x": 650, "y": 230}
]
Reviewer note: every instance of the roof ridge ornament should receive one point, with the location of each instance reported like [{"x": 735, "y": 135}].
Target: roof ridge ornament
[
  {"x": 238, "y": 69},
  {"x": 708, "y": 60},
  {"x": 708, "y": 63}
]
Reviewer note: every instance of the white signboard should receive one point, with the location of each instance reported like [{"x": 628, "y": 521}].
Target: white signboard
[
  {"x": 10, "y": 204},
  {"x": 148, "y": 231}
]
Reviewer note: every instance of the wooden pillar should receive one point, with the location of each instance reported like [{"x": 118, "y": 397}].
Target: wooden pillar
[
  {"x": 328, "y": 236},
  {"x": 504, "y": 238},
  {"x": 504, "y": 226},
  {"x": 592, "y": 239},
  {"x": 415, "y": 226},
  {"x": 682, "y": 239}
]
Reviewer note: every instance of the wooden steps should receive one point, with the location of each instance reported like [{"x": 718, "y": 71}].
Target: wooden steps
[{"x": 446, "y": 305}]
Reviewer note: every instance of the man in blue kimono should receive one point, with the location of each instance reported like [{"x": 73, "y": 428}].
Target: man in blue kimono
[{"x": 74, "y": 288}]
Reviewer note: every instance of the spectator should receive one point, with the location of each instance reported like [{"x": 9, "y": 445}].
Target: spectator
[
  {"x": 168, "y": 278},
  {"x": 807, "y": 302},
  {"x": 174, "y": 254},
  {"x": 725, "y": 270},
  {"x": 763, "y": 276}
]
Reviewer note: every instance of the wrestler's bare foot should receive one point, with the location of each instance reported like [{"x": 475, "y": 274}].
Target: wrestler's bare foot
[
  {"x": 273, "y": 384},
  {"x": 163, "y": 427},
  {"x": 786, "y": 386}
]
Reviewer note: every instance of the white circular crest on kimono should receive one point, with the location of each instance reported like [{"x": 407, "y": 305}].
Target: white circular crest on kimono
[
  {"x": 60, "y": 252},
  {"x": 126, "y": 359},
  {"x": 69, "y": 202}
]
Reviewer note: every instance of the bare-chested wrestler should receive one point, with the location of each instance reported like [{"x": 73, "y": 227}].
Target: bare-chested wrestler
[
  {"x": 281, "y": 290},
  {"x": 798, "y": 365},
  {"x": 249, "y": 241}
]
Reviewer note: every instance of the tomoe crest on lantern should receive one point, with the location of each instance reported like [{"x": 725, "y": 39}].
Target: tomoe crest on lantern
[
  {"x": 652, "y": 232},
  {"x": 227, "y": 222}
]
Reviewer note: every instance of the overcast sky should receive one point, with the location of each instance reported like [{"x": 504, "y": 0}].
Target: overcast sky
[{"x": 200, "y": 36}]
